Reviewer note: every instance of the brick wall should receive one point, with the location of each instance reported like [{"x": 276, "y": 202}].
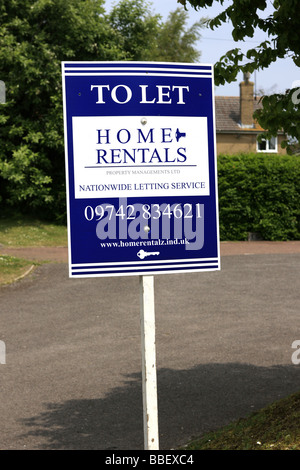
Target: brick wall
[
  {"x": 233, "y": 143},
  {"x": 246, "y": 103}
]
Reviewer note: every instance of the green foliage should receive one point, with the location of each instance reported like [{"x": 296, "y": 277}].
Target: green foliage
[
  {"x": 175, "y": 43},
  {"x": 35, "y": 36},
  {"x": 245, "y": 16},
  {"x": 282, "y": 108},
  {"x": 136, "y": 28},
  {"x": 259, "y": 193},
  {"x": 275, "y": 427},
  {"x": 282, "y": 30},
  {"x": 145, "y": 36}
]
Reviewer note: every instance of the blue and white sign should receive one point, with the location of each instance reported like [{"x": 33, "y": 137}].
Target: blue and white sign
[{"x": 140, "y": 168}]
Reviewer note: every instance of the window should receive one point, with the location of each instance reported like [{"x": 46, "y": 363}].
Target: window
[{"x": 267, "y": 145}]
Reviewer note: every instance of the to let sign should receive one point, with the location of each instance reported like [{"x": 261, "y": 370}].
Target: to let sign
[{"x": 140, "y": 168}]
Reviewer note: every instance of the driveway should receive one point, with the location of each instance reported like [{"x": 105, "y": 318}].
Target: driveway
[{"x": 72, "y": 378}]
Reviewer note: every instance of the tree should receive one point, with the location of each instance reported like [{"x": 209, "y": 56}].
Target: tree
[
  {"x": 35, "y": 36},
  {"x": 145, "y": 36},
  {"x": 136, "y": 28},
  {"x": 176, "y": 42},
  {"x": 279, "y": 111}
]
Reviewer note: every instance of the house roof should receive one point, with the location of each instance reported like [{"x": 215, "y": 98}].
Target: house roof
[{"x": 228, "y": 114}]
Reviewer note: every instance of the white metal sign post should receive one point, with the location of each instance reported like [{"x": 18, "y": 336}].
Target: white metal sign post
[
  {"x": 150, "y": 413},
  {"x": 141, "y": 181}
]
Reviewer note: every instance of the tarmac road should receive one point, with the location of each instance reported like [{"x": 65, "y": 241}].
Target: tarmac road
[{"x": 72, "y": 378}]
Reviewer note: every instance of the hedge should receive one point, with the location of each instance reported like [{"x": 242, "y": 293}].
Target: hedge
[{"x": 259, "y": 193}]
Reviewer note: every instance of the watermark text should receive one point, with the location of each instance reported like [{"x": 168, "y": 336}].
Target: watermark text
[
  {"x": 2, "y": 352},
  {"x": 296, "y": 354},
  {"x": 149, "y": 222}
]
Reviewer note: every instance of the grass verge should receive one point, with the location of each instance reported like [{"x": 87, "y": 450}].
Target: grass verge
[
  {"x": 12, "y": 268},
  {"x": 275, "y": 427},
  {"x": 19, "y": 231}
]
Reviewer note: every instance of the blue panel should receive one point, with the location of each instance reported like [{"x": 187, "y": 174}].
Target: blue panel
[{"x": 142, "y": 199}]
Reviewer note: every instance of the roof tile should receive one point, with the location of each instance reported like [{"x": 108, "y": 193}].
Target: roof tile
[{"x": 228, "y": 114}]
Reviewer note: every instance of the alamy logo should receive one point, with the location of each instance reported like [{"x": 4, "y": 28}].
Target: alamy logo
[
  {"x": 2, "y": 92},
  {"x": 159, "y": 223},
  {"x": 296, "y": 93},
  {"x": 2, "y": 353},
  {"x": 296, "y": 354}
]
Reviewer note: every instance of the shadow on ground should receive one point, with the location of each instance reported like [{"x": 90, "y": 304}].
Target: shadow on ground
[{"x": 191, "y": 402}]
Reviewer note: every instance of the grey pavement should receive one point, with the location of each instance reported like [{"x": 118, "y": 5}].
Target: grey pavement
[{"x": 72, "y": 378}]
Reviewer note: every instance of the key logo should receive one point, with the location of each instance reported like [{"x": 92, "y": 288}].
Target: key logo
[{"x": 143, "y": 254}]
